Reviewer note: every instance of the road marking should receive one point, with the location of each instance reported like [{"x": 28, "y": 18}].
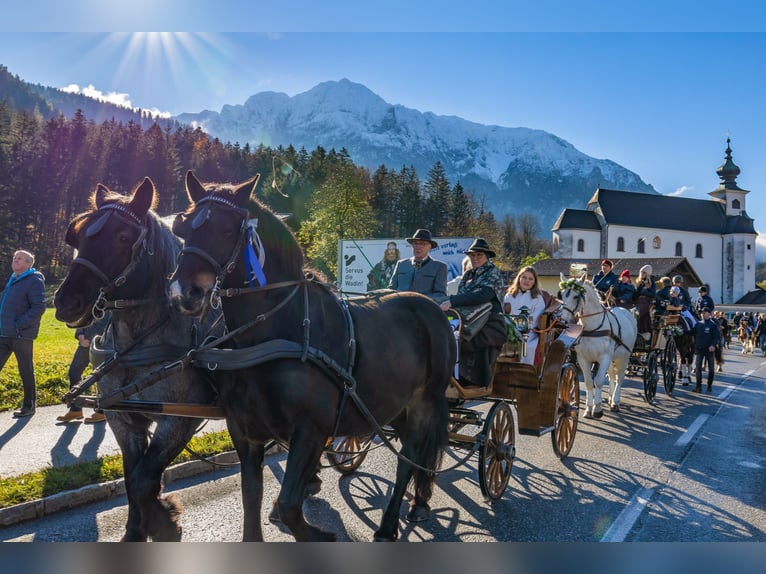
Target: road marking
[
  {"x": 751, "y": 371},
  {"x": 627, "y": 518},
  {"x": 692, "y": 430},
  {"x": 725, "y": 393}
]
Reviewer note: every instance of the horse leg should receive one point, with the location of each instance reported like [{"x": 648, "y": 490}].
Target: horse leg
[
  {"x": 132, "y": 440},
  {"x": 429, "y": 441},
  {"x": 598, "y": 383},
  {"x": 617, "y": 370},
  {"x": 588, "y": 379},
  {"x": 160, "y": 515},
  {"x": 251, "y": 456},
  {"x": 306, "y": 446}
]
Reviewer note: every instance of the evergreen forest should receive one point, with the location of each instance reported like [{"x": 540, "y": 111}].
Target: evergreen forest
[{"x": 49, "y": 168}]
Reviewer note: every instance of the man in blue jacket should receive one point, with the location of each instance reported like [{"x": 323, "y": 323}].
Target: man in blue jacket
[
  {"x": 707, "y": 336},
  {"x": 421, "y": 273},
  {"x": 22, "y": 304}
]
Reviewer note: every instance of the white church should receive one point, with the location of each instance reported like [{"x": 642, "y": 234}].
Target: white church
[{"x": 707, "y": 241}]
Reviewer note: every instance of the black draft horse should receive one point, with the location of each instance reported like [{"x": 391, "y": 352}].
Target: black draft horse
[
  {"x": 124, "y": 256},
  {"x": 399, "y": 348}
]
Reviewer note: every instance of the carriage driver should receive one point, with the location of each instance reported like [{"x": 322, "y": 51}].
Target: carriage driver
[
  {"x": 421, "y": 273},
  {"x": 482, "y": 283}
]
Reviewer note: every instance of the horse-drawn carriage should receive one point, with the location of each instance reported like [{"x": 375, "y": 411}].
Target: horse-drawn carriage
[{"x": 659, "y": 353}]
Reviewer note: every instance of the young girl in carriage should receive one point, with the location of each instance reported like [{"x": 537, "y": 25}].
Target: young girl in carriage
[{"x": 525, "y": 292}]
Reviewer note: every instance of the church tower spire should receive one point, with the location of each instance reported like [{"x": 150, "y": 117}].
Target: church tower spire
[{"x": 731, "y": 196}]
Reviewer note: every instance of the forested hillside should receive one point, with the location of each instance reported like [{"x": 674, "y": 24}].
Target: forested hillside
[{"x": 49, "y": 168}]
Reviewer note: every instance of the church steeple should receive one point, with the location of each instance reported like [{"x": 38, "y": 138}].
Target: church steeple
[{"x": 728, "y": 192}]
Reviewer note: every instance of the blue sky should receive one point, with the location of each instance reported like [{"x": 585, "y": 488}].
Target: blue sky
[{"x": 656, "y": 89}]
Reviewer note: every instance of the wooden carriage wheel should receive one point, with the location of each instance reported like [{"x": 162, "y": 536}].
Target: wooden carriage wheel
[
  {"x": 497, "y": 451},
  {"x": 651, "y": 377},
  {"x": 669, "y": 365},
  {"x": 346, "y": 453},
  {"x": 567, "y": 411}
]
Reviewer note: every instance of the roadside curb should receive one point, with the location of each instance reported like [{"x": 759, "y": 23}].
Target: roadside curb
[{"x": 105, "y": 490}]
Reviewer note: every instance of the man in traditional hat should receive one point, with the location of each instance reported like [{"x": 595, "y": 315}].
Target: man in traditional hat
[
  {"x": 421, "y": 273},
  {"x": 482, "y": 283},
  {"x": 604, "y": 279}
]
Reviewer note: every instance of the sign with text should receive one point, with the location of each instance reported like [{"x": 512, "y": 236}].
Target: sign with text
[{"x": 361, "y": 261}]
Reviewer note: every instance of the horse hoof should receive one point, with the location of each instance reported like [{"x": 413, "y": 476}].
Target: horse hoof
[
  {"x": 588, "y": 414},
  {"x": 615, "y": 408},
  {"x": 598, "y": 414},
  {"x": 418, "y": 514}
]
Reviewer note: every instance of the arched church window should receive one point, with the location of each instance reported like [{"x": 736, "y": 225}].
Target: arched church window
[
  {"x": 735, "y": 204},
  {"x": 620, "y": 244},
  {"x": 698, "y": 251},
  {"x": 679, "y": 249},
  {"x": 656, "y": 242},
  {"x": 640, "y": 247},
  {"x": 580, "y": 245}
]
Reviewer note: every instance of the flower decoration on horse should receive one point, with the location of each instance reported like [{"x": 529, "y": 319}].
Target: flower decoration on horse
[
  {"x": 673, "y": 331},
  {"x": 572, "y": 284}
]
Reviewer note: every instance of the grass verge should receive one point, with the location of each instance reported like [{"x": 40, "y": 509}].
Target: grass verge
[{"x": 37, "y": 485}]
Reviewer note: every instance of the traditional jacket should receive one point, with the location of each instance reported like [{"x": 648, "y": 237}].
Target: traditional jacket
[
  {"x": 428, "y": 278},
  {"x": 22, "y": 304}
]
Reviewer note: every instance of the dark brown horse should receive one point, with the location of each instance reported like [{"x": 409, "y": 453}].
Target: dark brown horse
[
  {"x": 395, "y": 353},
  {"x": 124, "y": 256}
]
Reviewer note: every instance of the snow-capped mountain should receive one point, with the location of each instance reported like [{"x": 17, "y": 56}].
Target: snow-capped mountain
[{"x": 519, "y": 169}]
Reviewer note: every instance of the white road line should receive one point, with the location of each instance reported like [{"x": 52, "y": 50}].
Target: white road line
[
  {"x": 725, "y": 393},
  {"x": 692, "y": 430},
  {"x": 751, "y": 371},
  {"x": 627, "y": 518}
]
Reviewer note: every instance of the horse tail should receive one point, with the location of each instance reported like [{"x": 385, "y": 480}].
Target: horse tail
[{"x": 434, "y": 411}]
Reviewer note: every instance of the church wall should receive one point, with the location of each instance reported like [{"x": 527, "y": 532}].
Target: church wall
[
  {"x": 568, "y": 240},
  {"x": 708, "y": 267}
]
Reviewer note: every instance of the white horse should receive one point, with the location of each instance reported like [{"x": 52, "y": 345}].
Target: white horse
[{"x": 607, "y": 338}]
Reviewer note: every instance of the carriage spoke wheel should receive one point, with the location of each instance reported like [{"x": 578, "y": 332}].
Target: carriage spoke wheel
[
  {"x": 567, "y": 411},
  {"x": 669, "y": 366},
  {"x": 497, "y": 451},
  {"x": 651, "y": 377},
  {"x": 348, "y": 452}
]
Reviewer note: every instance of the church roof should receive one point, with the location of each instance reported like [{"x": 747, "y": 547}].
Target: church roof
[
  {"x": 664, "y": 212},
  {"x": 661, "y": 267},
  {"x": 755, "y": 297},
  {"x": 577, "y": 219},
  {"x": 740, "y": 224}
]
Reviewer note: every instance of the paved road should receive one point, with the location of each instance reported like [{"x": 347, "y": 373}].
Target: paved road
[{"x": 689, "y": 468}]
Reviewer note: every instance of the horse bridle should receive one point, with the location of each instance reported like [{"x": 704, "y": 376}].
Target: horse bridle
[
  {"x": 138, "y": 248},
  {"x": 220, "y": 270}
]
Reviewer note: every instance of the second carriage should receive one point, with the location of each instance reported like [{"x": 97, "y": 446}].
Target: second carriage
[{"x": 658, "y": 354}]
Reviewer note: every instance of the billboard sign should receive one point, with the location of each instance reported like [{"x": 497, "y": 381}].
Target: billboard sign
[{"x": 361, "y": 261}]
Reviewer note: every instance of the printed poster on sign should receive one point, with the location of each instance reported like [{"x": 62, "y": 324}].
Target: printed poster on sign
[{"x": 367, "y": 264}]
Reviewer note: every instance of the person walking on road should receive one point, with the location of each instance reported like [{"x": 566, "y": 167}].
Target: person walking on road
[
  {"x": 80, "y": 360},
  {"x": 22, "y": 305},
  {"x": 707, "y": 337}
]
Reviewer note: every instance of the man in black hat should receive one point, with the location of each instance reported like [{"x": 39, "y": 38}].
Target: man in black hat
[
  {"x": 707, "y": 336},
  {"x": 421, "y": 273},
  {"x": 704, "y": 300}
]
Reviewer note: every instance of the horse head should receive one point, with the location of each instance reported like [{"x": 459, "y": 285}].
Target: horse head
[
  {"x": 230, "y": 241},
  {"x": 110, "y": 242},
  {"x": 576, "y": 296}
]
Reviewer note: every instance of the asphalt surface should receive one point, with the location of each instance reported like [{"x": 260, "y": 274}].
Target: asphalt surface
[{"x": 40, "y": 441}]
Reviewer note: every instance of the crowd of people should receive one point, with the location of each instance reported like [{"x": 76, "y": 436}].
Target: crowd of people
[{"x": 482, "y": 283}]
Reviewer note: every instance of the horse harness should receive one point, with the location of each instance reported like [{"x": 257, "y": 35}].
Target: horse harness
[{"x": 598, "y": 331}]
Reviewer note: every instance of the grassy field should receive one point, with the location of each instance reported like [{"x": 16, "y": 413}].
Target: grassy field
[{"x": 54, "y": 348}]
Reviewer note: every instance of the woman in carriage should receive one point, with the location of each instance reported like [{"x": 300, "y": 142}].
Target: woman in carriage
[
  {"x": 482, "y": 283},
  {"x": 525, "y": 293}
]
